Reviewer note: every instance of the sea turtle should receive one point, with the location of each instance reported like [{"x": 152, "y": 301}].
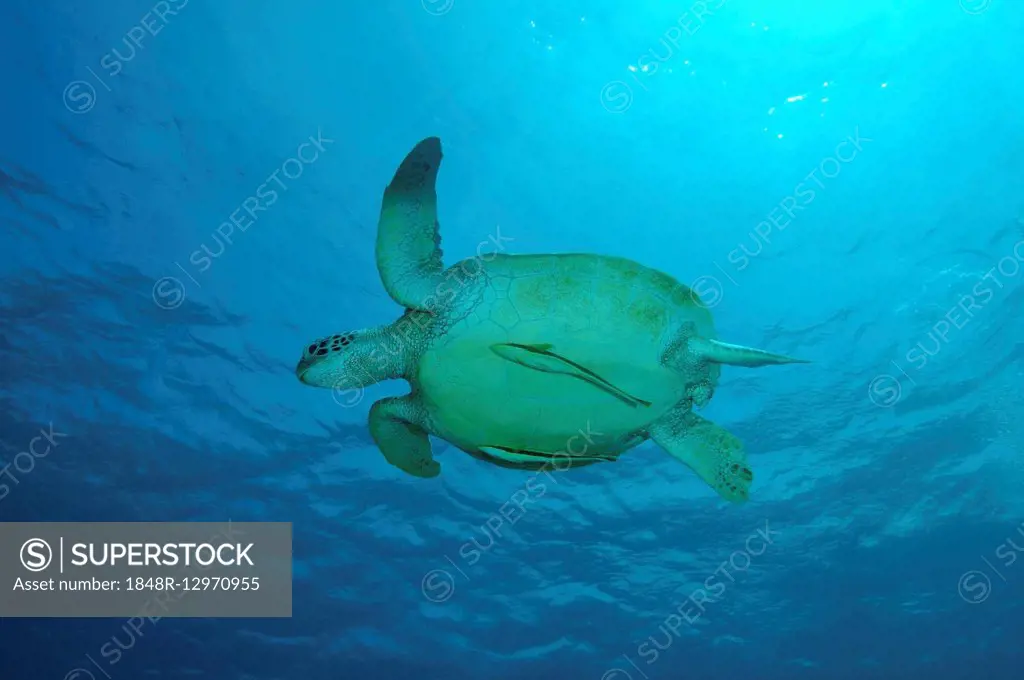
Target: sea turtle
[{"x": 531, "y": 361}]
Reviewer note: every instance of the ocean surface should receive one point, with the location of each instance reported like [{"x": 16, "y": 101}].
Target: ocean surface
[{"x": 840, "y": 181}]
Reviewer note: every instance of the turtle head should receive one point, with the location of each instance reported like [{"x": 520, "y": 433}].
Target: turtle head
[{"x": 344, "y": 361}]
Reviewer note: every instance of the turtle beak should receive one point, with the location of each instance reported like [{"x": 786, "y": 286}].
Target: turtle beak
[{"x": 302, "y": 367}]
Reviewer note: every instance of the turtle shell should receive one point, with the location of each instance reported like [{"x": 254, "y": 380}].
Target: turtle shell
[{"x": 610, "y": 319}]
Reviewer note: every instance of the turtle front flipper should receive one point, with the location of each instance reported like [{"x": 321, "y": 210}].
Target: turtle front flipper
[
  {"x": 715, "y": 454},
  {"x": 408, "y": 239},
  {"x": 397, "y": 424}
]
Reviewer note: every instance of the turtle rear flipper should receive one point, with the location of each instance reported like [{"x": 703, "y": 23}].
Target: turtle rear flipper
[{"x": 711, "y": 451}]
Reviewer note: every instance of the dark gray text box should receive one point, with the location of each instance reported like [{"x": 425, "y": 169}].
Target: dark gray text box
[{"x": 146, "y": 569}]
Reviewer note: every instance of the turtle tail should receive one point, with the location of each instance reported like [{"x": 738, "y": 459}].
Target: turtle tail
[{"x": 713, "y": 351}]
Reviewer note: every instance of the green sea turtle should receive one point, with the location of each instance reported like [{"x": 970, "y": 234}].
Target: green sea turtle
[{"x": 531, "y": 361}]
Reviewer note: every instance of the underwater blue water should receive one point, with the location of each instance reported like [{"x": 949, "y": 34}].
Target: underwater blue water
[{"x": 840, "y": 181}]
